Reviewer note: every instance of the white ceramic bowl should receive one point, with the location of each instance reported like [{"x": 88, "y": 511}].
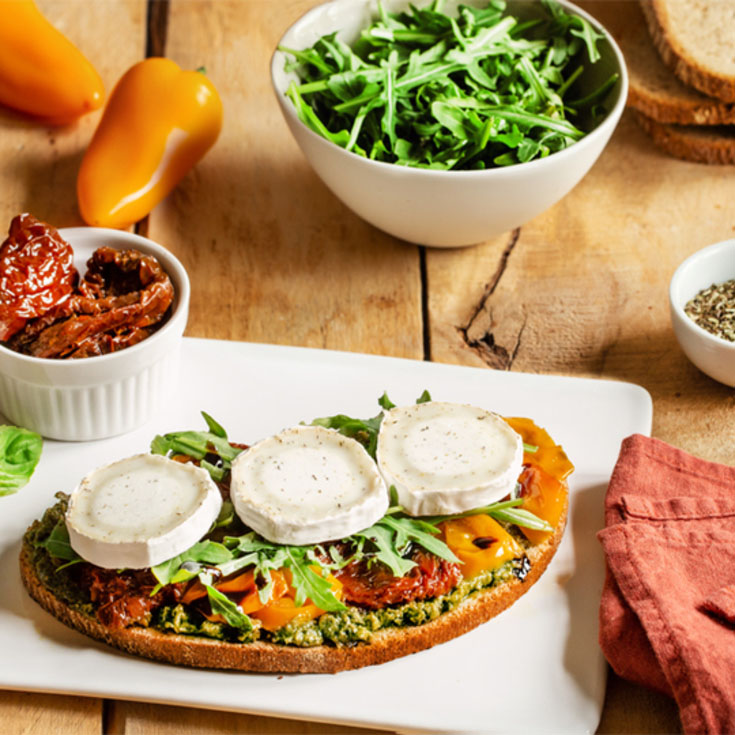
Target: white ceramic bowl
[
  {"x": 442, "y": 208},
  {"x": 102, "y": 396},
  {"x": 712, "y": 355}
]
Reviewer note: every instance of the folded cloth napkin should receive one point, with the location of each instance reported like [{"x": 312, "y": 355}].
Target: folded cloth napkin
[{"x": 667, "y": 614}]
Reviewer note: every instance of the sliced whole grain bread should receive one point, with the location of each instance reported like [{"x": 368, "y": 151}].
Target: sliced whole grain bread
[
  {"x": 654, "y": 90},
  {"x": 696, "y": 39},
  {"x": 700, "y": 144}
]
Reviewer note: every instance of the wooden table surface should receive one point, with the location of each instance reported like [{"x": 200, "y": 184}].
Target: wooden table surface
[{"x": 275, "y": 257}]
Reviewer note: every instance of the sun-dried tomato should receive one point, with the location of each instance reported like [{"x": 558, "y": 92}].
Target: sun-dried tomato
[
  {"x": 124, "y": 598},
  {"x": 373, "y": 585},
  {"x": 36, "y": 273},
  {"x": 124, "y": 297}
]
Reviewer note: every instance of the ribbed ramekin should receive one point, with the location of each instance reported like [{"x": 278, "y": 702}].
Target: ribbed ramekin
[{"x": 98, "y": 397}]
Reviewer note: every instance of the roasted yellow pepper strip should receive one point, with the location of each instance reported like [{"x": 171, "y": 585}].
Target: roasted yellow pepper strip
[
  {"x": 543, "y": 480},
  {"x": 42, "y": 73},
  {"x": 158, "y": 122},
  {"x": 549, "y": 456},
  {"x": 479, "y": 542}
]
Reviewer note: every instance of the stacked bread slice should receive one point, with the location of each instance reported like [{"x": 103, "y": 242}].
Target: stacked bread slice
[{"x": 681, "y": 61}]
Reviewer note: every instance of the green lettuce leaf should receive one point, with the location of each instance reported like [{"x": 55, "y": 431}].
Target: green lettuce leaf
[{"x": 20, "y": 450}]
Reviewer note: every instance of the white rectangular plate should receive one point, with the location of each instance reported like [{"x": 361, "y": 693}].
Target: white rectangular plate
[{"x": 536, "y": 667}]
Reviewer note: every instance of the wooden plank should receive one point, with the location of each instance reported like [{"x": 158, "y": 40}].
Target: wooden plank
[
  {"x": 632, "y": 709},
  {"x": 273, "y": 255},
  {"x": 40, "y": 163},
  {"x": 148, "y": 719},
  {"x": 38, "y": 175},
  {"x": 32, "y": 714}
]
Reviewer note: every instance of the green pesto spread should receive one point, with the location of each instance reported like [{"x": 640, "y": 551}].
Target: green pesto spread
[{"x": 345, "y": 627}]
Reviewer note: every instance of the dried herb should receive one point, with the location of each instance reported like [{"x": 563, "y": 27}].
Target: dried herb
[{"x": 713, "y": 309}]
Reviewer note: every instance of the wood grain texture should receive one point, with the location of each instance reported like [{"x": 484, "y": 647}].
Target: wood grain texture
[
  {"x": 40, "y": 163},
  {"x": 273, "y": 255},
  {"x": 40, "y": 714},
  {"x": 153, "y": 719},
  {"x": 632, "y": 709}
]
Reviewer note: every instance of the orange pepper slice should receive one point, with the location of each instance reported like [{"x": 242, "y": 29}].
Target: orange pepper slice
[
  {"x": 545, "y": 497},
  {"x": 277, "y": 612},
  {"x": 479, "y": 542},
  {"x": 281, "y": 611},
  {"x": 549, "y": 455},
  {"x": 543, "y": 480}
]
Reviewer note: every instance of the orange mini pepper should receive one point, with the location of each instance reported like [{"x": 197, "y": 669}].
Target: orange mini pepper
[
  {"x": 42, "y": 73},
  {"x": 158, "y": 122}
]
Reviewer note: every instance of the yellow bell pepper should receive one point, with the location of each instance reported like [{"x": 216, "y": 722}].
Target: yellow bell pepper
[
  {"x": 545, "y": 497},
  {"x": 158, "y": 122},
  {"x": 543, "y": 480},
  {"x": 42, "y": 73},
  {"x": 548, "y": 455},
  {"x": 479, "y": 542}
]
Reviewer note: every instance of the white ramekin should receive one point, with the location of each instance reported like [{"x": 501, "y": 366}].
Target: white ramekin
[
  {"x": 712, "y": 355},
  {"x": 98, "y": 397}
]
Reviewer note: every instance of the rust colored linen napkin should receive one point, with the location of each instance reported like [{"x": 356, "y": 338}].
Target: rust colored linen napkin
[{"x": 667, "y": 614}]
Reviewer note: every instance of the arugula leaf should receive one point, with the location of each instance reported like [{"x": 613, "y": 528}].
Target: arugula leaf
[
  {"x": 425, "y": 397},
  {"x": 421, "y": 88},
  {"x": 506, "y": 511},
  {"x": 203, "y": 552},
  {"x": 265, "y": 556},
  {"x": 198, "y": 445},
  {"x": 308, "y": 583},
  {"x": 363, "y": 430},
  {"x": 226, "y": 515},
  {"x": 386, "y": 402},
  {"x": 420, "y": 531},
  {"x": 214, "y": 427},
  {"x": 20, "y": 450},
  {"x": 57, "y": 543},
  {"x": 224, "y": 606},
  {"x": 521, "y": 517},
  {"x": 384, "y": 540}
]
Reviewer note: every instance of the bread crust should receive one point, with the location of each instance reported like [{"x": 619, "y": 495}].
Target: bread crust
[
  {"x": 698, "y": 145},
  {"x": 679, "y": 111},
  {"x": 260, "y": 656},
  {"x": 674, "y": 54}
]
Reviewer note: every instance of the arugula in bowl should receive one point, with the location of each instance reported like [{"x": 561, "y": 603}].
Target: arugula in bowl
[{"x": 480, "y": 90}]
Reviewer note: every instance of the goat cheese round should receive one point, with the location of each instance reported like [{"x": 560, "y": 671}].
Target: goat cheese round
[
  {"x": 140, "y": 511},
  {"x": 446, "y": 458},
  {"x": 306, "y": 485}
]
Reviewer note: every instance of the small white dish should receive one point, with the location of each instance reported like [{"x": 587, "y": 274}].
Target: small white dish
[
  {"x": 442, "y": 208},
  {"x": 98, "y": 397},
  {"x": 713, "y": 355}
]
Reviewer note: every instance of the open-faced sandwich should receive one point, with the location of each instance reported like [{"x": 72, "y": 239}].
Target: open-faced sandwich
[{"x": 329, "y": 546}]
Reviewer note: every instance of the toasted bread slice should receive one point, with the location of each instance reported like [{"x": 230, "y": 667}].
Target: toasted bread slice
[
  {"x": 654, "y": 89},
  {"x": 387, "y": 644},
  {"x": 705, "y": 144},
  {"x": 695, "y": 39}
]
